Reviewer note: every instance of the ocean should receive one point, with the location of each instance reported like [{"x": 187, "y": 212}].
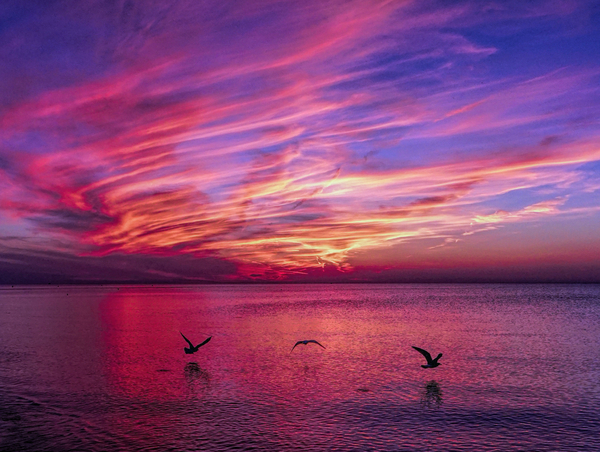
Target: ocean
[{"x": 96, "y": 368}]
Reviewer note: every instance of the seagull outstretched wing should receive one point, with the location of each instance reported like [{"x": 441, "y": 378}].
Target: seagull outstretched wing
[
  {"x": 315, "y": 342},
  {"x": 305, "y": 343},
  {"x": 425, "y": 353},
  {"x": 297, "y": 343},
  {"x": 187, "y": 340},
  {"x": 203, "y": 343}
]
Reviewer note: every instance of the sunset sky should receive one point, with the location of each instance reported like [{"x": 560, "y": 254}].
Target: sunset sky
[{"x": 319, "y": 140}]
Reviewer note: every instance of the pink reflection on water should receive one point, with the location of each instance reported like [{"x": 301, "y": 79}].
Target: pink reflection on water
[
  {"x": 514, "y": 370},
  {"x": 249, "y": 355},
  {"x": 495, "y": 357},
  {"x": 143, "y": 351}
]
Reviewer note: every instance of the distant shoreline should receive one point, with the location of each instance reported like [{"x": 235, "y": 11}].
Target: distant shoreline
[{"x": 294, "y": 283}]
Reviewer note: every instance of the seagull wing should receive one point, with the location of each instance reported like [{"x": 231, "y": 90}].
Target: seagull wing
[
  {"x": 315, "y": 342},
  {"x": 425, "y": 353},
  {"x": 204, "y": 343},
  {"x": 297, "y": 343},
  {"x": 187, "y": 340}
]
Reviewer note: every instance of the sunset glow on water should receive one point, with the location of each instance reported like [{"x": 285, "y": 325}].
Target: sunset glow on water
[{"x": 104, "y": 368}]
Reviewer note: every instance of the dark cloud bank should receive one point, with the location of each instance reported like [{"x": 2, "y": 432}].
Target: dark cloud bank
[{"x": 62, "y": 268}]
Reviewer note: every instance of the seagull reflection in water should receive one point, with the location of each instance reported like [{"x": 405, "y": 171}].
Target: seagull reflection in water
[
  {"x": 193, "y": 372},
  {"x": 432, "y": 395}
]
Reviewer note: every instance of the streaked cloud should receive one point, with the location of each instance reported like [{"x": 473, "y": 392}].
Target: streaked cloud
[{"x": 286, "y": 138}]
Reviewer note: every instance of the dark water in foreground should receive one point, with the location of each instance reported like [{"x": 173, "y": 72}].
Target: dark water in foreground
[{"x": 103, "y": 368}]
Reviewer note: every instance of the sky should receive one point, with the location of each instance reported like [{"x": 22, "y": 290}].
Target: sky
[{"x": 300, "y": 141}]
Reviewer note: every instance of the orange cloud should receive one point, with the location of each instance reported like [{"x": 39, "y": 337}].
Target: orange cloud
[{"x": 295, "y": 145}]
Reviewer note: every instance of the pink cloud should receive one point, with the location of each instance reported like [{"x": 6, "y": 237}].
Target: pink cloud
[{"x": 296, "y": 143}]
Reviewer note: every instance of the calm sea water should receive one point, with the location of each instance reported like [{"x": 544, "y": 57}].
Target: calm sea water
[{"x": 103, "y": 368}]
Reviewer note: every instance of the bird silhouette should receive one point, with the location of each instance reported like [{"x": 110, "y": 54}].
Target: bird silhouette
[
  {"x": 431, "y": 363},
  {"x": 192, "y": 349},
  {"x": 305, "y": 343}
]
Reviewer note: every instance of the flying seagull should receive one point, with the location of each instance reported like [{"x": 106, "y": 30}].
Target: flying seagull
[
  {"x": 192, "y": 349},
  {"x": 430, "y": 362},
  {"x": 306, "y": 342}
]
